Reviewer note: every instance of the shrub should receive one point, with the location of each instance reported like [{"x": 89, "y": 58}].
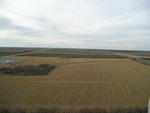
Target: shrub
[{"x": 41, "y": 69}]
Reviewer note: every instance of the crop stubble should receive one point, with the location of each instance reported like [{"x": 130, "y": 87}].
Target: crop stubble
[{"x": 80, "y": 83}]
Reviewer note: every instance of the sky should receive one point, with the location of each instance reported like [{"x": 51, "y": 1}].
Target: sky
[{"x": 95, "y": 24}]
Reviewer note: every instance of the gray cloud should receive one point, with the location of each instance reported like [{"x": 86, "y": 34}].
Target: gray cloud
[
  {"x": 76, "y": 23},
  {"x": 5, "y": 23}
]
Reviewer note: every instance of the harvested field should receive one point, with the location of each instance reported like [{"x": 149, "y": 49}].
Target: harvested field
[{"x": 78, "y": 83}]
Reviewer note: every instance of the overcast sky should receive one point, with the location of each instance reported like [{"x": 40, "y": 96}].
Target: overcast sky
[{"x": 101, "y": 24}]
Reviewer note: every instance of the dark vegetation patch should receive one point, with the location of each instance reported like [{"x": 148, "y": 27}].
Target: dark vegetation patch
[
  {"x": 8, "y": 53},
  {"x": 42, "y": 69},
  {"x": 55, "y": 110},
  {"x": 145, "y": 61},
  {"x": 74, "y": 55},
  {"x": 72, "y": 52},
  {"x": 141, "y": 54}
]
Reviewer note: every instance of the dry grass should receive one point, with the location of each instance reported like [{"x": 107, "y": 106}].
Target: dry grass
[{"x": 78, "y": 84}]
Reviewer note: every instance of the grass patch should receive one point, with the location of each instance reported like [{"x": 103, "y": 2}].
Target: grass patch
[
  {"x": 74, "y": 55},
  {"x": 144, "y": 61},
  {"x": 141, "y": 55},
  {"x": 7, "y": 53}
]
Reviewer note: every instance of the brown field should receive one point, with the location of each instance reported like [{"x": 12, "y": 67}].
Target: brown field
[{"x": 78, "y": 83}]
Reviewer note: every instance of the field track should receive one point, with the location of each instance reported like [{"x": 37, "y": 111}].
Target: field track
[{"x": 79, "y": 83}]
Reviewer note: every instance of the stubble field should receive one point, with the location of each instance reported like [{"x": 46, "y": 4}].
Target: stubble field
[{"x": 78, "y": 83}]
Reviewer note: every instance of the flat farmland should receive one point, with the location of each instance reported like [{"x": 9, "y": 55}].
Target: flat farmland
[{"x": 78, "y": 83}]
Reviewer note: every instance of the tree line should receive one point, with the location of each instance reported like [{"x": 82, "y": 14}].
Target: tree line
[{"x": 42, "y": 69}]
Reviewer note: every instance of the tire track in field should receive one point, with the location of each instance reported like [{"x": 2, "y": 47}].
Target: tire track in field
[{"x": 81, "y": 96}]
